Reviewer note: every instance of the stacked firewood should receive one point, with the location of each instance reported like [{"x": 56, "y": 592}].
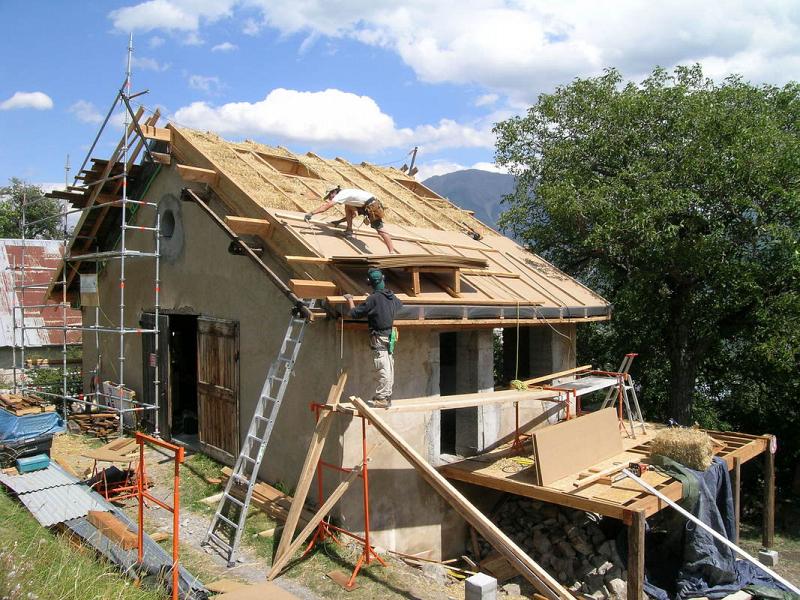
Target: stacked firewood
[{"x": 101, "y": 425}]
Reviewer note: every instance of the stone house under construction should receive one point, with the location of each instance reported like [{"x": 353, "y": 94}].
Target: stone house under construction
[{"x": 233, "y": 238}]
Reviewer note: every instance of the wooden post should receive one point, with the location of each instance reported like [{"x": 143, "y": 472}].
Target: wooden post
[
  {"x": 736, "y": 483},
  {"x": 768, "y": 535},
  {"x": 636, "y": 556}
]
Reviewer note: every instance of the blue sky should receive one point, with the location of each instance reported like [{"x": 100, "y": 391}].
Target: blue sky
[{"x": 362, "y": 79}]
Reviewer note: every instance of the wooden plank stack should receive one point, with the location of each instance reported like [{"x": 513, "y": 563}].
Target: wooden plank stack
[
  {"x": 29, "y": 404},
  {"x": 102, "y": 425}
]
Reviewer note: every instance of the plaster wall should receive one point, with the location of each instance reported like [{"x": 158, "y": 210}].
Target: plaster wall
[{"x": 200, "y": 277}]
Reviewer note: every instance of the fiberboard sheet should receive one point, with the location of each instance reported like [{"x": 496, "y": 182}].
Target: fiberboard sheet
[{"x": 574, "y": 445}]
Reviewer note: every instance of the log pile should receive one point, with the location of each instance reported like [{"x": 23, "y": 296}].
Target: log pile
[
  {"x": 101, "y": 425},
  {"x": 570, "y": 544},
  {"x": 27, "y": 404}
]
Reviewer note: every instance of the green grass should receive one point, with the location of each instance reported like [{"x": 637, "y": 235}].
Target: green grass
[
  {"x": 34, "y": 563},
  {"x": 194, "y": 486}
]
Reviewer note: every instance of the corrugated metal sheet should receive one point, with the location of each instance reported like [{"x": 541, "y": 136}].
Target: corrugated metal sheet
[
  {"x": 59, "y": 504},
  {"x": 50, "y": 477},
  {"x": 40, "y": 255}
]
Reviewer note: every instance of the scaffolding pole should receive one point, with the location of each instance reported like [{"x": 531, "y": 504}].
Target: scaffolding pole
[{"x": 72, "y": 256}]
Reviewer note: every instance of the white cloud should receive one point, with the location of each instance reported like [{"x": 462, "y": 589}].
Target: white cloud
[
  {"x": 207, "y": 84},
  {"x": 518, "y": 48},
  {"x": 192, "y": 39},
  {"x": 443, "y": 167},
  {"x": 523, "y": 47},
  {"x": 35, "y": 100},
  {"x": 251, "y": 27},
  {"x": 169, "y": 15},
  {"x": 224, "y": 47},
  {"x": 486, "y": 99},
  {"x": 149, "y": 64},
  {"x": 330, "y": 117},
  {"x": 86, "y": 112},
  {"x": 155, "y": 41}
]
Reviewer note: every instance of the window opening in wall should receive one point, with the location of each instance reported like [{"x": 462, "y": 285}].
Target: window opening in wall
[{"x": 167, "y": 224}]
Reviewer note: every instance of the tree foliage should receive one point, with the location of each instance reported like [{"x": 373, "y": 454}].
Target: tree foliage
[
  {"x": 41, "y": 214},
  {"x": 677, "y": 199}
]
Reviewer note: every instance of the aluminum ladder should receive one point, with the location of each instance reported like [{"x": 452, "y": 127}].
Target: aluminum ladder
[
  {"x": 629, "y": 398},
  {"x": 225, "y": 531}
]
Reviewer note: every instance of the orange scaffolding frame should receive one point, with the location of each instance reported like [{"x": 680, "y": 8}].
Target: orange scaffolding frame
[
  {"x": 327, "y": 530},
  {"x": 142, "y": 494}
]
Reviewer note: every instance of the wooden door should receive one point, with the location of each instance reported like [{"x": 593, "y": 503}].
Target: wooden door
[
  {"x": 147, "y": 321},
  {"x": 218, "y": 387}
]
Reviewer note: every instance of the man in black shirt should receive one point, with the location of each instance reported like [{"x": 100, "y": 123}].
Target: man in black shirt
[{"x": 380, "y": 308}]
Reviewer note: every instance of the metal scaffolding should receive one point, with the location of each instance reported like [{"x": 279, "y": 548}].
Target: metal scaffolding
[{"x": 96, "y": 398}]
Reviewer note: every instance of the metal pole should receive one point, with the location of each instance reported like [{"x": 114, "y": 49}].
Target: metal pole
[
  {"x": 716, "y": 535},
  {"x": 157, "y": 334},
  {"x": 22, "y": 290},
  {"x": 123, "y": 92}
]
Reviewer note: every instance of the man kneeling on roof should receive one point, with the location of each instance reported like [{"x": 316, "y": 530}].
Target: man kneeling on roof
[
  {"x": 356, "y": 202},
  {"x": 380, "y": 308}
]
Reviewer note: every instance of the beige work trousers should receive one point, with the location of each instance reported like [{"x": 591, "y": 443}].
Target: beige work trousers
[{"x": 384, "y": 367}]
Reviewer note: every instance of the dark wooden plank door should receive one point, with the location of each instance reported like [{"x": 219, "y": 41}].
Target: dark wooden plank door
[{"x": 218, "y": 387}]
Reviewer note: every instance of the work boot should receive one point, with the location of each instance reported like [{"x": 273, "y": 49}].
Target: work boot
[
  {"x": 337, "y": 222},
  {"x": 348, "y": 233},
  {"x": 381, "y": 402}
]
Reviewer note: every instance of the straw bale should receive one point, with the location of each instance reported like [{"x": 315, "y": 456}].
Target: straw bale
[{"x": 690, "y": 447}]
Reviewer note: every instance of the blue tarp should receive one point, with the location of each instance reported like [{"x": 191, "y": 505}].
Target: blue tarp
[
  {"x": 683, "y": 560},
  {"x": 15, "y": 428}
]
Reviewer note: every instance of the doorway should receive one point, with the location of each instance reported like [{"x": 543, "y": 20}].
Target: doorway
[
  {"x": 448, "y": 357},
  {"x": 184, "y": 415}
]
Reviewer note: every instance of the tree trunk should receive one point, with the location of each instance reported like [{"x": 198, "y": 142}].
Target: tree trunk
[{"x": 683, "y": 357}]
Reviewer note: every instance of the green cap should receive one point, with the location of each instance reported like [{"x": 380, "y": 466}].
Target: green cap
[{"x": 375, "y": 278}]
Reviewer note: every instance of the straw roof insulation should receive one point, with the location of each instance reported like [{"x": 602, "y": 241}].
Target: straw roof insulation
[{"x": 278, "y": 179}]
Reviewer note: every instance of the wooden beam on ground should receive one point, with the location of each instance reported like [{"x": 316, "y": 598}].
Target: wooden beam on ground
[
  {"x": 248, "y": 226},
  {"x": 208, "y": 176},
  {"x": 323, "y": 511},
  {"x": 529, "y": 569},
  {"x": 310, "y": 466},
  {"x": 308, "y": 288},
  {"x": 112, "y": 528},
  {"x": 156, "y": 133}
]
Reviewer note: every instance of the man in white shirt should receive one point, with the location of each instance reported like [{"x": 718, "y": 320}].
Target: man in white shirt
[{"x": 356, "y": 202}]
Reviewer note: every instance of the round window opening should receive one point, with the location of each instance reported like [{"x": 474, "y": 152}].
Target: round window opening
[{"x": 167, "y": 224}]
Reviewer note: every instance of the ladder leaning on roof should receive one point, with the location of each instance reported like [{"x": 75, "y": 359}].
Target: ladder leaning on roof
[
  {"x": 225, "y": 531},
  {"x": 626, "y": 386}
]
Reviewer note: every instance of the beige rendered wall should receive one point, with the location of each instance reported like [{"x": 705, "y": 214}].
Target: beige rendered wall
[{"x": 201, "y": 277}]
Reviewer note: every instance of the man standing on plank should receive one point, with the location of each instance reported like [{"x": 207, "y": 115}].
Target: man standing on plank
[
  {"x": 356, "y": 202},
  {"x": 380, "y": 308}
]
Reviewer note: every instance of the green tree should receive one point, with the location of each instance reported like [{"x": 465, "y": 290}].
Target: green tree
[
  {"x": 677, "y": 199},
  {"x": 41, "y": 214}
]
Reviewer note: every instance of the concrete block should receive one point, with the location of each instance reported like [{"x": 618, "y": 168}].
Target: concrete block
[
  {"x": 480, "y": 587},
  {"x": 768, "y": 557}
]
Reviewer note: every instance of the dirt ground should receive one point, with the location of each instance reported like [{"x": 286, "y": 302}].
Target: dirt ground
[{"x": 307, "y": 578}]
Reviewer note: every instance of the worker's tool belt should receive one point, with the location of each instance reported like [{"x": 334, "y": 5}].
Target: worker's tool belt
[{"x": 373, "y": 209}]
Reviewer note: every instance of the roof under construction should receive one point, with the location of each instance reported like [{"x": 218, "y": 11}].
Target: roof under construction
[{"x": 450, "y": 266}]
